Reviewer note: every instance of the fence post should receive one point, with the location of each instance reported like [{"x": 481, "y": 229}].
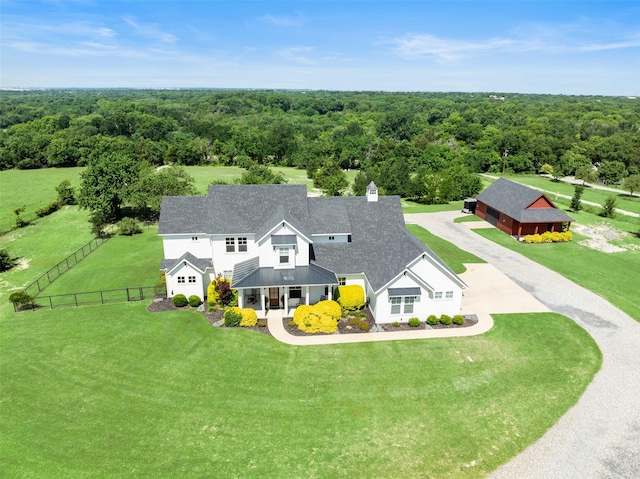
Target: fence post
[
  {"x": 141, "y": 294},
  {"x": 128, "y": 297},
  {"x": 50, "y": 303},
  {"x": 101, "y": 298},
  {"x": 75, "y": 298}
]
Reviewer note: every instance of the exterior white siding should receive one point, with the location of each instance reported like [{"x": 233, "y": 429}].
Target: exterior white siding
[
  {"x": 331, "y": 238},
  {"x": 224, "y": 261},
  {"x": 177, "y": 245},
  {"x": 269, "y": 256},
  {"x": 187, "y": 288}
]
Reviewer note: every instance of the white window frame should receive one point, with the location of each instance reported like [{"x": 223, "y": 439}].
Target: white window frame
[
  {"x": 295, "y": 292},
  {"x": 242, "y": 244},
  {"x": 230, "y": 243},
  {"x": 281, "y": 255},
  {"x": 396, "y": 303},
  {"x": 332, "y": 238},
  {"x": 192, "y": 279},
  {"x": 194, "y": 238},
  {"x": 227, "y": 274},
  {"x": 408, "y": 304},
  {"x": 448, "y": 295},
  {"x": 342, "y": 281},
  {"x": 437, "y": 295},
  {"x": 181, "y": 279}
]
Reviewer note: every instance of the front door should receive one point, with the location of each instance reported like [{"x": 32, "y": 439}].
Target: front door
[{"x": 274, "y": 298}]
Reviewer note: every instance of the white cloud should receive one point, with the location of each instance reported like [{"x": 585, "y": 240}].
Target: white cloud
[
  {"x": 283, "y": 21},
  {"x": 445, "y": 49},
  {"x": 150, "y": 30}
]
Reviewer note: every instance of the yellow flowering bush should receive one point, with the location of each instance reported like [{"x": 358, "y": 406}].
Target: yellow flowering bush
[
  {"x": 322, "y": 317},
  {"x": 351, "y": 297},
  {"x": 548, "y": 237},
  {"x": 248, "y": 316}
]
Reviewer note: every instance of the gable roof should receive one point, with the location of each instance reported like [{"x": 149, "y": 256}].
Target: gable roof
[
  {"x": 201, "y": 264},
  {"x": 380, "y": 247},
  {"x": 513, "y": 199}
]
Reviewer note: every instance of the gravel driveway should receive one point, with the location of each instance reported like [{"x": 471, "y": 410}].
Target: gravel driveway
[{"x": 600, "y": 436}]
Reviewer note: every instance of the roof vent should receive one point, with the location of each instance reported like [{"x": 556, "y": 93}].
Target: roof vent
[{"x": 372, "y": 192}]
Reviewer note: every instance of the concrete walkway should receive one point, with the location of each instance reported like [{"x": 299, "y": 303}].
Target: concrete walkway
[
  {"x": 490, "y": 291},
  {"x": 600, "y": 436}
]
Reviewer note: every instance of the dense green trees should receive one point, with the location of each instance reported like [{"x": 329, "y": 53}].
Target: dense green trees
[{"x": 403, "y": 141}]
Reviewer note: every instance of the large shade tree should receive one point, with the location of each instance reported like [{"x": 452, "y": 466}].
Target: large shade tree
[{"x": 106, "y": 184}]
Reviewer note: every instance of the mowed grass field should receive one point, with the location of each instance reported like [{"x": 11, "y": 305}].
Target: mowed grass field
[
  {"x": 614, "y": 276},
  {"x": 115, "y": 391},
  {"x": 36, "y": 188}
]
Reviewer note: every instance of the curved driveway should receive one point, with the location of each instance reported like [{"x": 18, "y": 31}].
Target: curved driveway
[{"x": 600, "y": 436}]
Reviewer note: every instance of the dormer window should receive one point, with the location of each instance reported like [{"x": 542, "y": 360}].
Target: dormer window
[
  {"x": 331, "y": 238},
  {"x": 283, "y": 254},
  {"x": 194, "y": 238}
]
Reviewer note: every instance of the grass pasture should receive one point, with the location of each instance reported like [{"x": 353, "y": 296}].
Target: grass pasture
[
  {"x": 613, "y": 276},
  {"x": 453, "y": 256},
  {"x": 115, "y": 391}
]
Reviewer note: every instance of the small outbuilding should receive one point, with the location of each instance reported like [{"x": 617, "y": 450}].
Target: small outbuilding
[{"x": 519, "y": 210}]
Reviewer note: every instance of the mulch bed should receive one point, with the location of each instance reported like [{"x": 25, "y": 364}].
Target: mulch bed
[{"x": 345, "y": 326}]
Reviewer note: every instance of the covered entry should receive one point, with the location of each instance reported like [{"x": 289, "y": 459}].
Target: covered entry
[{"x": 274, "y": 298}]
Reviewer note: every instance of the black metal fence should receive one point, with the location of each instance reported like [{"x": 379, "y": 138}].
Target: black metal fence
[
  {"x": 93, "y": 297},
  {"x": 35, "y": 288}
]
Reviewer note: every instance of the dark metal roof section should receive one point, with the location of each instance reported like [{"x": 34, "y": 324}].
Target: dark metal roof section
[
  {"x": 512, "y": 199},
  {"x": 299, "y": 276},
  {"x": 201, "y": 264},
  {"x": 404, "y": 292},
  {"x": 244, "y": 269},
  {"x": 284, "y": 240}
]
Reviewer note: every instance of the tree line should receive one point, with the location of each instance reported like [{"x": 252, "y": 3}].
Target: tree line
[{"x": 419, "y": 145}]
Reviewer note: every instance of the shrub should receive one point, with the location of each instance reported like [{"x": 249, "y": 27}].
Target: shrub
[
  {"x": 6, "y": 260},
  {"x": 350, "y": 297},
  {"x": 47, "y": 210},
  {"x": 445, "y": 319},
  {"x": 180, "y": 300},
  {"x": 414, "y": 322},
  {"x": 20, "y": 299},
  {"x": 432, "y": 320},
  {"x": 128, "y": 227},
  {"x": 364, "y": 325},
  {"x": 292, "y": 323},
  {"x": 548, "y": 237},
  {"x": 262, "y": 323},
  {"x": 219, "y": 293},
  {"x": 249, "y": 317},
  {"x": 395, "y": 324},
  {"x": 609, "y": 207},
  {"x": 458, "y": 319},
  {"x": 66, "y": 193},
  {"x": 323, "y": 317},
  {"x": 194, "y": 301},
  {"x": 354, "y": 321},
  {"x": 232, "y": 317}
]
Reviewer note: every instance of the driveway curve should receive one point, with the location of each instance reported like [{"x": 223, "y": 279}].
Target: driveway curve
[{"x": 599, "y": 437}]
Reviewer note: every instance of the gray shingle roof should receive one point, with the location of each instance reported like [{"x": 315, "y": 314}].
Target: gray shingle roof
[
  {"x": 513, "y": 199},
  {"x": 381, "y": 247},
  {"x": 200, "y": 263}
]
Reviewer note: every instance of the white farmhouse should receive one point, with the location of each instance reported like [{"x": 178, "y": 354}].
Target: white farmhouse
[{"x": 281, "y": 248}]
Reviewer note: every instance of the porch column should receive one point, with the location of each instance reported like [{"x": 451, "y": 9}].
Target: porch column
[
  {"x": 262, "y": 302},
  {"x": 330, "y": 289},
  {"x": 306, "y": 295},
  {"x": 519, "y": 231},
  {"x": 286, "y": 300},
  {"x": 241, "y": 298},
  {"x": 536, "y": 230}
]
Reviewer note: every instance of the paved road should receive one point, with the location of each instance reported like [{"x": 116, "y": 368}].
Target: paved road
[{"x": 600, "y": 436}]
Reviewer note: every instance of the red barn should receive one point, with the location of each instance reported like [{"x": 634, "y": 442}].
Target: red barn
[{"x": 519, "y": 210}]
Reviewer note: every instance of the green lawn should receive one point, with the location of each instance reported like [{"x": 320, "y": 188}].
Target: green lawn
[
  {"x": 467, "y": 219},
  {"x": 33, "y": 188},
  {"x": 453, "y": 256},
  {"x": 613, "y": 276},
  {"x": 413, "y": 207},
  {"x": 625, "y": 202},
  {"x": 114, "y": 391},
  {"x": 122, "y": 262}
]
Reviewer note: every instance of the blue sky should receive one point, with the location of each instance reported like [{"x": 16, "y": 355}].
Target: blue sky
[{"x": 566, "y": 47}]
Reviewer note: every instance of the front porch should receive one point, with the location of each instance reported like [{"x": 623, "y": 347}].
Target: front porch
[{"x": 281, "y": 300}]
